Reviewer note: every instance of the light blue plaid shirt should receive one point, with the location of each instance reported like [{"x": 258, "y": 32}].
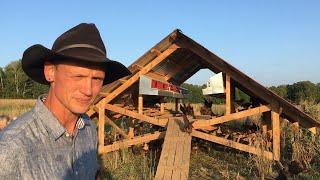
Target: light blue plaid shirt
[{"x": 36, "y": 146}]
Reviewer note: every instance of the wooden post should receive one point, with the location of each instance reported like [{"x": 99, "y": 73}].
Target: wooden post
[
  {"x": 228, "y": 94},
  {"x": 140, "y": 104},
  {"x": 176, "y": 104},
  {"x": 101, "y": 123},
  {"x": 162, "y": 108},
  {"x": 276, "y": 135}
]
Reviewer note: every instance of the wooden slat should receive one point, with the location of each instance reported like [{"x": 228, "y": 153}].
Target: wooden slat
[
  {"x": 159, "y": 122},
  {"x": 101, "y": 123},
  {"x": 276, "y": 135},
  {"x": 222, "y": 119},
  {"x": 143, "y": 71},
  {"x": 232, "y": 144},
  {"x": 129, "y": 142},
  {"x": 228, "y": 95}
]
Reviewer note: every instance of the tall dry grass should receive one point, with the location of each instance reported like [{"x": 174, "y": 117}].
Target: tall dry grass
[{"x": 15, "y": 107}]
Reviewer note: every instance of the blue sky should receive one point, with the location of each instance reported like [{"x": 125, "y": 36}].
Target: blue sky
[{"x": 274, "y": 42}]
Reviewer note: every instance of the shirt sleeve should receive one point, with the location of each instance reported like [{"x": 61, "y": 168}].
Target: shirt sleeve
[{"x": 8, "y": 162}]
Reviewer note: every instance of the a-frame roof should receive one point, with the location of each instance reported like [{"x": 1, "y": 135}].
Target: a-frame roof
[{"x": 190, "y": 57}]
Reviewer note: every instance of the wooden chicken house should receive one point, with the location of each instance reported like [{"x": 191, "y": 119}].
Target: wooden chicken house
[{"x": 159, "y": 73}]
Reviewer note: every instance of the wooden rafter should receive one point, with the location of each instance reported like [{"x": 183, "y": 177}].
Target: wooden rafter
[
  {"x": 232, "y": 144},
  {"x": 234, "y": 116},
  {"x": 143, "y": 71},
  {"x": 129, "y": 142},
  {"x": 135, "y": 115}
]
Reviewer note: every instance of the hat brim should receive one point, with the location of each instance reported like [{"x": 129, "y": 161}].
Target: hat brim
[{"x": 34, "y": 57}]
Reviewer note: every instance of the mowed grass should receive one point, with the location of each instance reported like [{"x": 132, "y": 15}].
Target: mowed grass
[{"x": 15, "y": 107}]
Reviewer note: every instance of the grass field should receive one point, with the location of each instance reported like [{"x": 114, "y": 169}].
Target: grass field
[
  {"x": 208, "y": 160},
  {"x": 15, "y": 107}
]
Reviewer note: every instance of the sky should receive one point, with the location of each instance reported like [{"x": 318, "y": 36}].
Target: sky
[{"x": 274, "y": 42}]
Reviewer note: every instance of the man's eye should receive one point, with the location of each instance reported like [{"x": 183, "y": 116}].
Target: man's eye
[{"x": 98, "y": 79}]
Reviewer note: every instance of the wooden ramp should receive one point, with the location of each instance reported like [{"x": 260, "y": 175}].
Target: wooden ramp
[{"x": 175, "y": 155}]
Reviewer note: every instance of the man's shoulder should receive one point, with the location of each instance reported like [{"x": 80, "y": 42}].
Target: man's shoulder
[{"x": 17, "y": 126}]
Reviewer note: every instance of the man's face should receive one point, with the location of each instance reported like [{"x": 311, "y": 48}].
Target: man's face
[{"x": 75, "y": 87}]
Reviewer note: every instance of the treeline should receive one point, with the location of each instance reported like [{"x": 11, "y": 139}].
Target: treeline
[
  {"x": 298, "y": 92},
  {"x": 14, "y": 83}
]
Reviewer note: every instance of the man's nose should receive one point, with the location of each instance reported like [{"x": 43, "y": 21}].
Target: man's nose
[{"x": 87, "y": 87}]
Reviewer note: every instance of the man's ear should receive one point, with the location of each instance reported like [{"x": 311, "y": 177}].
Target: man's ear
[{"x": 49, "y": 71}]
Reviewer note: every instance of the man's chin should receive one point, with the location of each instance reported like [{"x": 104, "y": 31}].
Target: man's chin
[{"x": 80, "y": 110}]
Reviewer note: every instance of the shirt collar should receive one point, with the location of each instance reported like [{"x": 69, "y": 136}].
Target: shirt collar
[{"x": 51, "y": 123}]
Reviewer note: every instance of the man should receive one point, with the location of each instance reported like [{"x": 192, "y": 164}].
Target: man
[{"x": 56, "y": 140}]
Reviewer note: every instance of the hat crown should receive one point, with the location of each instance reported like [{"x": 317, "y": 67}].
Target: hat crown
[{"x": 83, "y": 33}]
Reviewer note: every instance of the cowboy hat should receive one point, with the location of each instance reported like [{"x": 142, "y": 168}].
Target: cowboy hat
[{"x": 81, "y": 44}]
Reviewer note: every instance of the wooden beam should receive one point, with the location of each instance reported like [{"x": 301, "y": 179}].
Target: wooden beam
[
  {"x": 101, "y": 123},
  {"x": 228, "y": 95},
  {"x": 276, "y": 135},
  {"x": 156, "y": 76},
  {"x": 129, "y": 142},
  {"x": 232, "y": 144},
  {"x": 143, "y": 71},
  {"x": 156, "y": 51},
  {"x": 159, "y": 122},
  {"x": 234, "y": 116}
]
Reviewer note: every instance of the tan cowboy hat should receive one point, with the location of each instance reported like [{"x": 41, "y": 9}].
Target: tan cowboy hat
[{"x": 82, "y": 44}]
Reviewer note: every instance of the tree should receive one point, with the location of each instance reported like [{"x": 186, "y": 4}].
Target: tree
[
  {"x": 280, "y": 90},
  {"x": 300, "y": 91}
]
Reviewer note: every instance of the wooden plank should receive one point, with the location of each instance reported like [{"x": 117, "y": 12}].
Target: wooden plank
[
  {"x": 129, "y": 142},
  {"x": 172, "y": 140},
  {"x": 159, "y": 122},
  {"x": 101, "y": 123},
  {"x": 222, "y": 119},
  {"x": 228, "y": 95},
  {"x": 175, "y": 156},
  {"x": 232, "y": 144},
  {"x": 143, "y": 71},
  {"x": 276, "y": 135},
  {"x": 186, "y": 157}
]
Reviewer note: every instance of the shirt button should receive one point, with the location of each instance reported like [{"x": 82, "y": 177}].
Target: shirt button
[{"x": 76, "y": 172}]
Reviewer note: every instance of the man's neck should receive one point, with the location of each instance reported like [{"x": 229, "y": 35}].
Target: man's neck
[{"x": 66, "y": 118}]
